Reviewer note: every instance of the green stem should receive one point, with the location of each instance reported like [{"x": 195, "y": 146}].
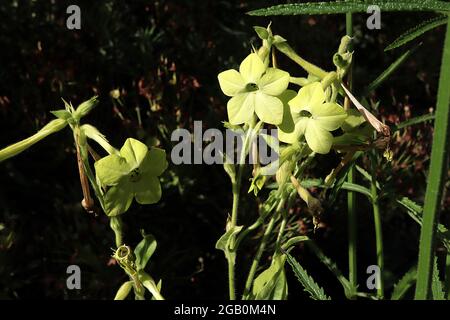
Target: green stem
[
  {"x": 236, "y": 185},
  {"x": 351, "y": 196},
  {"x": 236, "y": 188},
  {"x": 378, "y": 228},
  {"x": 261, "y": 248},
  {"x": 117, "y": 226},
  {"x": 307, "y": 66},
  {"x": 436, "y": 177}
]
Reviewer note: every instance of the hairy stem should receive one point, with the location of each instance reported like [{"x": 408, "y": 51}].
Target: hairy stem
[
  {"x": 351, "y": 196},
  {"x": 436, "y": 177},
  {"x": 378, "y": 228}
]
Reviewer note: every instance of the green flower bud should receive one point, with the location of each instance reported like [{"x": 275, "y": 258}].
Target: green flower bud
[
  {"x": 51, "y": 127},
  {"x": 124, "y": 290},
  {"x": 84, "y": 108}
]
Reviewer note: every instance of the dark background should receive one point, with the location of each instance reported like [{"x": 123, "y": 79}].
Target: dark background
[{"x": 164, "y": 57}]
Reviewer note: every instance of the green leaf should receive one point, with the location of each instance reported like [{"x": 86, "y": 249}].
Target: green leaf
[
  {"x": 144, "y": 250},
  {"x": 389, "y": 71},
  {"x": 437, "y": 288},
  {"x": 414, "y": 121},
  {"x": 357, "y": 188},
  {"x": 308, "y": 283},
  {"x": 415, "y": 211},
  {"x": 417, "y": 31},
  {"x": 124, "y": 290},
  {"x": 404, "y": 284},
  {"x": 262, "y": 32},
  {"x": 226, "y": 242},
  {"x": 271, "y": 284},
  {"x": 334, "y": 7},
  {"x": 331, "y": 265},
  {"x": 62, "y": 114}
]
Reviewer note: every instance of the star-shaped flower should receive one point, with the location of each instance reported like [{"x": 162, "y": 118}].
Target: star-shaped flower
[
  {"x": 308, "y": 114},
  {"x": 133, "y": 173},
  {"x": 254, "y": 89}
]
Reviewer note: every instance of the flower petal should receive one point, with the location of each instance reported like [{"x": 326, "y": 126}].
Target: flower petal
[
  {"x": 318, "y": 139},
  {"x": 241, "y": 108},
  {"x": 307, "y": 97},
  {"x": 118, "y": 199},
  {"x": 147, "y": 189},
  {"x": 252, "y": 68},
  {"x": 134, "y": 152},
  {"x": 231, "y": 82},
  {"x": 155, "y": 162},
  {"x": 268, "y": 109},
  {"x": 110, "y": 169},
  {"x": 274, "y": 82},
  {"x": 328, "y": 116},
  {"x": 287, "y": 129}
]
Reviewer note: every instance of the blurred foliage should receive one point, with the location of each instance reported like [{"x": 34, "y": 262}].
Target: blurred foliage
[{"x": 154, "y": 66}]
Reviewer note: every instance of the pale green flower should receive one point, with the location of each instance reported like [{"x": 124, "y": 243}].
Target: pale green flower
[
  {"x": 133, "y": 173},
  {"x": 308, "y": 115},
  {"x": 254, "y": 89}
]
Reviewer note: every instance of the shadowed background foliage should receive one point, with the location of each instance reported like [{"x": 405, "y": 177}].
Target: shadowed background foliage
[{"x": 163, "y": 58}]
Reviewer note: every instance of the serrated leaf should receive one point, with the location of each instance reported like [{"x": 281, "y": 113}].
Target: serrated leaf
[
  {"x": 415, "y": 210},
  {"x": 308, "y": 283},
  {"x": 334, "y": 7},
  {"x": 331, "y": 265},
  {"x": 417, "y": 31},
  {"x": 389, "y": 71},
  {"x": 404, "y": 284},
  {"x": 437, "y": 288}
]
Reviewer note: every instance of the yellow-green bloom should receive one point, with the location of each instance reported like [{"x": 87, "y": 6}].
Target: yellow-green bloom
[
  {"x": 131, "y": 174},
  {"x": 309, "y": 115},
  {"x": 254, "y": 89}
]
